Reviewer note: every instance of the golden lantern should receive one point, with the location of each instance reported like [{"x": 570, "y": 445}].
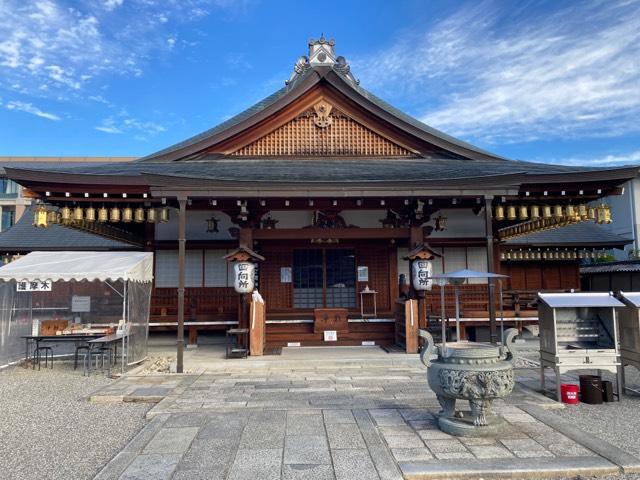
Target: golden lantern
[
  {"x": 151, "y": 215},
  {"x": 78, "y": 214},
  {"x": 524, "y": 214},
  {"x": 503, "y": 256},
  {"x": 582, "y": 212},
  {"x": 535, "y": 212},
  {"x": 546, "y": 211},
  {"x": 52, "y": 216},
  {"x": 526, "y": 255},
  {"x": 164, "y": 215},
  {"x": 127, "y": 214},
  {"x": 103, "y": 214},
  {"x": 114, "y": 214},
  {"x": 40, "y": 218},
  {"x": 570, "y": 211},
  {"x": 508, "y": 255},
  {"x": 606, "y": 214},
  {"x": 65, "y": 214},
  {"x": 558, "y": 213},
  {"x": 499, "y": 213},
  {"x": 511, "y": 213},
  {"x": 90, "y": 214},
  {"x": 138, "y": 215}
]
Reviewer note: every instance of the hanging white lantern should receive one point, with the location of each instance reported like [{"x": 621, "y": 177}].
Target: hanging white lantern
[
  {"x": 421, "y": 272},
  {"x": 244, "y": 277}
]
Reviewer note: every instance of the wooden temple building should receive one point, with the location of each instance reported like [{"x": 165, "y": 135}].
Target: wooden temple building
[{"x": 332, "y": 187}]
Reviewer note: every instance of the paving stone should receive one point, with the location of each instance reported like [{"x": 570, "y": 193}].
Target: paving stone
[
  {"x": 338, "y": 416},
  {"x": 569, "y": 449},
  {"x": 116, "y": 466},
  {"x": 353, "y": 464},
  {"x": 397, "y": 430},
  {"x": 387, "y": 417},
  {"x": 151, "y": 467},
  {"x": 171, "y": 440},
  {"x": 307, "y": 472},
  {"x": 185, "y": 420},
  {"x": 306, "y": 449},
  {"x": 489, "y": 451},
  {"x": 262, "y": 435},
  {"x": 411, "y": 454},
  {"x": 199, "y": 474},
  {"x": 404, "y": 441},
  {"x": 311, "y": 424},
  {"x": 208, "y": 455},
  {"x": 434, "y": 434},
  {"x": 344, "y": 435},
  {"x": 453, "y": 455},
  {"x": 256, "y": 464},
  {"x": 446, "y": 446}
]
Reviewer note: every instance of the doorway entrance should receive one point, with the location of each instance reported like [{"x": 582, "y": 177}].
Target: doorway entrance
[{"x": 324, "y": 278}]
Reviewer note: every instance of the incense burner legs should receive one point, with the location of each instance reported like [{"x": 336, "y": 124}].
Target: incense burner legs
[{"x": 475, "y": 372}]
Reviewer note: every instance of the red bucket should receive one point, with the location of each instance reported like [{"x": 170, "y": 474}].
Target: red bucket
[{"x": 569, "y": 393}]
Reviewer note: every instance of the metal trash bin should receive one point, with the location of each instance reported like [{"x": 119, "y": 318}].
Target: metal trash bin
[
  {"x": 578, "y": 331},
  {"x": 591, "y": 389}
]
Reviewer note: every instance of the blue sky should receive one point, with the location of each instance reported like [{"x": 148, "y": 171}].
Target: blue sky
[{"x": 552, "y": 81}]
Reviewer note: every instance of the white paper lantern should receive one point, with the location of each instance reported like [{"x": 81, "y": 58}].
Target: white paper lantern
[
  {"x": 422, "y": 271},
  {"x": 244, "y": 277}
]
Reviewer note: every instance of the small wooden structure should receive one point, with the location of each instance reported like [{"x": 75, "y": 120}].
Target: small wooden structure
[{"x": 629, "y": 326}]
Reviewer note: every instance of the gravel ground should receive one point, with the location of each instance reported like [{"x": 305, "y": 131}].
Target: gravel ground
[
  {"x": 616, "y": 422},
  {"x": 48, "y": 430}
]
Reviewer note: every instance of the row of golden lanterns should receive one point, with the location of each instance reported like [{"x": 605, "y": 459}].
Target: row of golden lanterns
[
  {"x": 549, "y": 254},
  {"x": 44, "y": 216},
  {"x": 600, "y": 214}
]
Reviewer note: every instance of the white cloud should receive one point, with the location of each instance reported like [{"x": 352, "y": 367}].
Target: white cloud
[
  {"x": 514, "y": 74},
  {"x": 611, "y": 160},
  {"x": 125, "y": 123},
  {"x": 66, "y": 45},
  {"x": 30, "y": 108}
]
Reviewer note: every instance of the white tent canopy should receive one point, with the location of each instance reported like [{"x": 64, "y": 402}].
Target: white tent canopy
[{"x": 78, "y": 266}]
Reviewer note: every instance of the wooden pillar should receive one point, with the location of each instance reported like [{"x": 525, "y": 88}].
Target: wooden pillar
[
  {"x": 182, "y": 240},
  {"x": 245, "y": 239},
  {"x": 416, "y": 237},
  {"x": 488, "y": 215}
]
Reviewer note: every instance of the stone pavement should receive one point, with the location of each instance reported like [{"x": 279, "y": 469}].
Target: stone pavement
[{"x": 316, "y": 419}]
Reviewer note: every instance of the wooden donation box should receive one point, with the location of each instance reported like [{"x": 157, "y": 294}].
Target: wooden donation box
[{"x": 330, "y": 319}]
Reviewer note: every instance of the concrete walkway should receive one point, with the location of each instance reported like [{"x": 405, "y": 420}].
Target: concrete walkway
[{"x": 331, "y": 415}]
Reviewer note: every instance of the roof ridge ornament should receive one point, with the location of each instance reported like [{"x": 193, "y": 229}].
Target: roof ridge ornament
[{"x": 321, "y": 53}]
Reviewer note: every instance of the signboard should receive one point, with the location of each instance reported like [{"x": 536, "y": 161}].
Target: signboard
[
  {"x": 80, "y": 303},
  {"x": 421, "y": 272},
  {"x": 285, "y": 274},
  {"x": 33, "y": 286},
  {"x": 330, "y": 336},
  {"x": 363, "y": 274},
  {"x": 244, "y": 277}
]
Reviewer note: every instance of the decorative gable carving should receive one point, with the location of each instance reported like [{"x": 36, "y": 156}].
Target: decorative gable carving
[{"x": 323, "y": 130}]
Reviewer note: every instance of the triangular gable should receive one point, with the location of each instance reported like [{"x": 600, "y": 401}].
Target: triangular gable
[{"x": 323, "y": 130}]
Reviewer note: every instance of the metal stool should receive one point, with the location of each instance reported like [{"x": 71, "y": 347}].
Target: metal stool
[
  {"x": 99, "y": 357},
  {"x": 48, "y": 354},
  {"x": 108, "y": 351},
  {"x": 75, "y": 355},
  {"x": 236, "y": 339}
]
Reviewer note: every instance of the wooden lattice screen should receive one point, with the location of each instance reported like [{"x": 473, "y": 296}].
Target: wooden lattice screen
[{"x": 336, "y": 134}]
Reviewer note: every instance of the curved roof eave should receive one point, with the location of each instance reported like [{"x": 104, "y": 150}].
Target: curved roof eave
[{"x": 288, "y": 94}]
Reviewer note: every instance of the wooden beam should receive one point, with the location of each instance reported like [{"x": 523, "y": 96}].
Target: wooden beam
[{"x": 346, "y": 233}]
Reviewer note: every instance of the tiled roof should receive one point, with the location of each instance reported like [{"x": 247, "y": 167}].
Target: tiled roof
[
  {"x": 24, "y": 237},
  {"x": 578, "y": 234},
  {"x": 319, "y": 170},
  {"x": 612, "y": 267}
]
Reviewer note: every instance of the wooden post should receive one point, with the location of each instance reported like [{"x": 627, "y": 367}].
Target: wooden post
[
  {"x": 411, "y": 326},
  {"x": 416, "y": 237},
  {"x": 182, "y": 240},
  {"x": 245, "y": 239},
  {"x": 256, "y": 328},
  {"x": 488, "y": 216}
]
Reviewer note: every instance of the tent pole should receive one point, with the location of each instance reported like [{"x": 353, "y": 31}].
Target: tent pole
[
  {"x": 182, "y": 227},
  {"x": 125, "y": 317},
  {"x": 488, "y": 216}
]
